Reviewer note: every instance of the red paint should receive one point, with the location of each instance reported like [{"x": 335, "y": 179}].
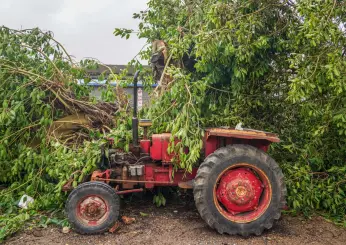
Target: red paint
[
  {"x": 164, "y": 175},
  {"x": 170, "y": 172},
  {"x": 159, "y": 148},
  {"x": 258, "y": 197},
  {"x": 230, "y": 141},
  {"x": 92, "y": 210},
  {"x": 219, "y": 137},
  {"x": 145, "y": 146},
  {"x": 165, "y": 139},
  {"x": 239, "y": 190},
  {"x": 155, "y": 149},
  {"x": 101, "y": 174},
  {"x": 211, "y": 144},
  {"x": 149, "y": 175},
  {"x": 129, "y": 191}
]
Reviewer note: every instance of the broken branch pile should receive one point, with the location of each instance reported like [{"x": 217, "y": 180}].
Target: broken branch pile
[{"x": 50, "y": 127}]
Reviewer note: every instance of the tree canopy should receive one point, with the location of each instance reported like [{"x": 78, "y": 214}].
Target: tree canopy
[{"x": 274, "y": 65}]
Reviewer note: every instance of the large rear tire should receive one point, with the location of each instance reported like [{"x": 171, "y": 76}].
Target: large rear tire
[
  {"x": 239, "y": 189},
  {"x": 93, "y": 207}
]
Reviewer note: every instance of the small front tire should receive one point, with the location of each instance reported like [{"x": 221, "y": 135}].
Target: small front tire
[{"x": 92, "y": 208}]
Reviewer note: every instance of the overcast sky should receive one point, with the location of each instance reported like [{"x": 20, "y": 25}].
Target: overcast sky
[{"x": 84, "y": 27}]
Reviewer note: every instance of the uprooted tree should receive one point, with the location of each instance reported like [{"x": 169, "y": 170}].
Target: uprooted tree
[{"x": 273, "y": 65}]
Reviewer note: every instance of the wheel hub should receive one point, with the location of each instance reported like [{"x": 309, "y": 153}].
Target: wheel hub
[
  {"x": 239, "y": 190},
  {"x": 92, "y": 209}
]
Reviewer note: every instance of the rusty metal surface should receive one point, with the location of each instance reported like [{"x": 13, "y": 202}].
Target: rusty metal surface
[
  {"x": 67, "y": 186},
  {"x": 243, "y": 134},
  {"x": 129, "y": 191},
  {"x": 133, "y": 181},
  {"x": 186, "y": 185}
]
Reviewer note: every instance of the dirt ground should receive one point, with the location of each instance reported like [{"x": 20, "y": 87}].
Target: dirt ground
[{"x": 180, "y": 223}]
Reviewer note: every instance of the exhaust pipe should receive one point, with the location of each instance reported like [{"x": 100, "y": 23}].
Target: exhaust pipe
[{"x": 134, "y": 118}]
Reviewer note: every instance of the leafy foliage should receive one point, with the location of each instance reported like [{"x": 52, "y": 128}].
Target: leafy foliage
[
  {"x": 273, "y": 65},
  {"x": 159, "y": 200},
  {"x": 38, "y": 86}
]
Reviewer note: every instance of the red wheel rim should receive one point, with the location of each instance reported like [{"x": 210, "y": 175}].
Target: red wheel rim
[
  {"x": 242, "y": 193},
  {"x": 92, "y": 210}
]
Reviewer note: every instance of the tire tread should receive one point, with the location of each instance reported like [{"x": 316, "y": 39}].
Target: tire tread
[
  {"x": 202, "y": 180},
  {"x": 85, "y": 185}
]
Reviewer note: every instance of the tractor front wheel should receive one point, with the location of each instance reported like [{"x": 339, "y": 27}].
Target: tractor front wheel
[
  {"x": 93, "y": 207},
  {"x": 239, "y": 189}
]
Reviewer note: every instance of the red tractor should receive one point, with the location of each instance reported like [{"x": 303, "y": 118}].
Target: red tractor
[{"x": 238, "y": 188}]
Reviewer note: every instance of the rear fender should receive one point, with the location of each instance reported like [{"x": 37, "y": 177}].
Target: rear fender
[{"x": 220, "y": 137}]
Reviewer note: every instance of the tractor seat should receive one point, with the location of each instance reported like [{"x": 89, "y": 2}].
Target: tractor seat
[{"x": 145, "y": 123}]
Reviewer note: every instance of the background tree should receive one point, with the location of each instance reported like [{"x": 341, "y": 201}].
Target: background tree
[{"x": 273, "y": 65}]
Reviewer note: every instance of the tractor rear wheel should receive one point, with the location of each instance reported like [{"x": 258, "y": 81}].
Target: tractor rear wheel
[
  {"x": 93, "y": 207},
  {"x": 239, "y": 189}
]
